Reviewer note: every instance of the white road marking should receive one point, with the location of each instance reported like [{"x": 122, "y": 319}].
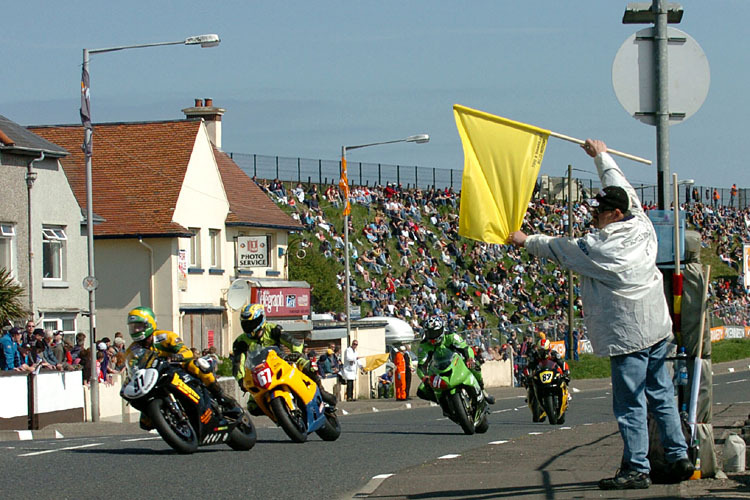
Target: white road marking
[
  {"x": 565, "y": 428},
  {"x": 344, "y": 412},
  {"x": 575, "y": 390},
  {"x": 736, "y": 381},
  {"x": 90, "y": 445},
  {"x": 599, "y": 397},
  {"x": 375, "y": 409},
  {"x": 382, "y": 476},
  {"x": 588, "y": 424},
  {"x": 139, "y": 439},
  {"x": 408, "y": 405},
  {"x": 502, "y": 411},
  {"x": 534, "y": 433},
  {"x": 497, "y": 442},
  {"x": 731, "y": 370},
  {"x": 449, "y": 456}
]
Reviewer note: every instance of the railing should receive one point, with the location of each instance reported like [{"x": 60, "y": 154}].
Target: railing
[{"x": 324, "y": 172}]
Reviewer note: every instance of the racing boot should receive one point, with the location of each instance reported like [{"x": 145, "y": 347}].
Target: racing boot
[
  {"x": 145, "y": 422},
  {"x": 487, "y": 396},
  {"x": 328, "y": 398},
  {"x": 224, "y": 401}
]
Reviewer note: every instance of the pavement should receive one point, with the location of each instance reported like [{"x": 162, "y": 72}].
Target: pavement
[{"x": 561, "y": 463}]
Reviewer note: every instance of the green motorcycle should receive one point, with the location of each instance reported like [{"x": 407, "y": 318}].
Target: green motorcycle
[{"x": 457, "y": 391}]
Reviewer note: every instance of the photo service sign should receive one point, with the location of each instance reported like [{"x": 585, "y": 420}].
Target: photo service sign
[
  {"x": 252, "y": 251},
  {"x": 283, "y": 301}
]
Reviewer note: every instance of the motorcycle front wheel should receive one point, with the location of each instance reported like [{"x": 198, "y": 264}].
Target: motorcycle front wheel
[
  {"x": 550, "y": 406},
  {"x": 289, "y": 423},
  {"x": 174, "y": 428},
  {"x": 459, "y": 411}
]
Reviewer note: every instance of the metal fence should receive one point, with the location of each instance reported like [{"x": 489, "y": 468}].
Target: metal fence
[
  {"x": 732, "y": 315},
  {"x": 307, "y": 170}
]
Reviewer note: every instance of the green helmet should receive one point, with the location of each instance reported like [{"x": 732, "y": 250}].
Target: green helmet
[{"x": 141, "y": 323}]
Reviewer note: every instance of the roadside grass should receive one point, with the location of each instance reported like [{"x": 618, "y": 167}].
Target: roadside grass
[
  {"x": 730, "y": 350},
  {"x": 591, "y": 366}
]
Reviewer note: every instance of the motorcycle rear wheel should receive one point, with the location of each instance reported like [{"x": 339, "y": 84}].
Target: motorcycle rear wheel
[
  {"x": 243, "y": 437},
  {"x": 331, "y": 430},
  {"x": 179, "y": 435},
  {"x": 550, "y": 406},
  {"x": 287, "y": 421},
  {"x": 459, "y": 411}
]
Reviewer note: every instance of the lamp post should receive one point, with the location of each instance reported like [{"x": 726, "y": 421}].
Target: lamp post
[
  {"x": 90, "y": 283},
  {"x": 419, "y": 139}
]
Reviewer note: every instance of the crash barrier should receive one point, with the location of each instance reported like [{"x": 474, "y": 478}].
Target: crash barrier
[
  {"x": 729, "y": 332},
  {"x": 32, "y": 401},
  {"x": 112, "y": 408}
]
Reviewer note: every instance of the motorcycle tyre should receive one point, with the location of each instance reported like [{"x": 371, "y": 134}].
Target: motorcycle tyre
[
  {"x": 483, "y": 425},
  {"x": 169, "y": 435},
  {"x": 551, "y": 408},
  {"x": 331, "y": 430},
  {"x": 243, "y": 437},
  {"x": 286, "y": 422},
  {"x": 459, "y": 412},
  {"x": 536, "y": 410}
]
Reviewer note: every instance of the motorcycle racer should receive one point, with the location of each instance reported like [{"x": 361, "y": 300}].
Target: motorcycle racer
[
  {"x": 257, "y": 331},
  {"x": 544, "y": 351},
  {"x": 143, "y": 330},
  {"x": 434, "y": 337}
]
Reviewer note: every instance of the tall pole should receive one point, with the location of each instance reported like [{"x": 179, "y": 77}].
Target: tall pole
[
  {"x": 569, "y": 347},
  {"x": 88, "y": 150},
  {"x": 662, "y": 103}
]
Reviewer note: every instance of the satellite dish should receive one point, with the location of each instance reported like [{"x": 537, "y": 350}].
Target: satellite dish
[{"x": 238, "y": 294}]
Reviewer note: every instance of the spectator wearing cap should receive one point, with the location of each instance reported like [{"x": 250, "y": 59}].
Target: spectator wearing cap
[
  {"x": 11, "y": 358},
  {"x": 57, "y": 346},
  {"x": 75, "y": 352},
  {"x": 28, "y": 334}
]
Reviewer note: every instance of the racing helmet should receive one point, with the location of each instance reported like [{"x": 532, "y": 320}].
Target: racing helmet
[
  {"x": 544, "y": 346},
  {"x": 434, "y": 330},
  {"x": 252, "y": 319},
  {"x": 141, "y": 323}
]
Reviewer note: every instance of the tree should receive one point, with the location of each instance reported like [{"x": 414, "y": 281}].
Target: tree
[
  {"x": 11, "y": 291},
  {"x": 313, "y": 267}
]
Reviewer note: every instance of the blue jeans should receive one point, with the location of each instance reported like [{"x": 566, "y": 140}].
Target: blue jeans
[{"x": 639, "y": 378}]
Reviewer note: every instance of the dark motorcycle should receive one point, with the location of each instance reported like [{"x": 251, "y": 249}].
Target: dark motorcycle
[
  {"x": 547, "y": 392},
  {"x": 180, "y": 407}
]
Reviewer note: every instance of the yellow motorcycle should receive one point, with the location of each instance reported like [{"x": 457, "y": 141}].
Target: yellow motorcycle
[
  {"x": 547, "y": 392},
  {"x": 287, "y": 396}
]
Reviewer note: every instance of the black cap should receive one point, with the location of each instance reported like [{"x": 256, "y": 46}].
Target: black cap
[
  {"x": 15, "y": 331},
  {"x": 612, "y": 197}
]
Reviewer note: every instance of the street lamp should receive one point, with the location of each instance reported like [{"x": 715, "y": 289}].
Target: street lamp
[
  {"x": 418, "y": 139},
  {"x": 90, "y": 283}
]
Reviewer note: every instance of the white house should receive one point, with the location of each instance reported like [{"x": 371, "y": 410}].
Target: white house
[{"x": 172, "y": 206}]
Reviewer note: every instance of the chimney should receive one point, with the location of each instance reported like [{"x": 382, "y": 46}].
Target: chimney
[{"x": 204, "y": 109}]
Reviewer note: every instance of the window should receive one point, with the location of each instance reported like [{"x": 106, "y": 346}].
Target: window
[
  {"x": 215, "y": 240},
  {"x": 53, "y": 252},
  {"x": 195, "y": 247},
  {"x": 8, "y": 248},
  {"x": 64, "y": 322}
]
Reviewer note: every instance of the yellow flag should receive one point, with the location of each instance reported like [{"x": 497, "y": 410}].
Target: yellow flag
[
  {"x": 374, "y": 360},
  {"x": 501, "y": 163}
]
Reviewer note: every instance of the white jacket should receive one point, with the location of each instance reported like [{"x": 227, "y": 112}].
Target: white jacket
[
  {"x": 351, "y": 364},
  {"x": 624, "y": 305}
]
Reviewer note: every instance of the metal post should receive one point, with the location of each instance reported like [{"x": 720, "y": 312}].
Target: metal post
[
  {"x": 94, "y": 380},
  {"x": 416, "y": 177},
  {"x": 277, "y": 168},
  {"x": 569, "y": 349},
  {"x": 299, "y": 171},
  {"x": 320, "y": 171},
  {"x": 380, "y": 183},
  {"x": 255, "y": 165},
  {"x": 662, "y": 102}
]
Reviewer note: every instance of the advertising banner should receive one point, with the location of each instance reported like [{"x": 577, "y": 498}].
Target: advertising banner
[
  {"x": 734, "y": 332},
  {"x": 282, "y": 302},
  {"x": 717, "y": 333},
  {"x": 253, "y": 251}
]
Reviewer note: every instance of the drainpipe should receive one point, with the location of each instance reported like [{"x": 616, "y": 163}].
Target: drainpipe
[
  {"x": 151, "y": 268},
  {"x": 30, "y": 178}
]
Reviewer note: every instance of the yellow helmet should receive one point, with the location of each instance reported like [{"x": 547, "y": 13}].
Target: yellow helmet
[
  {"x": 141, "y": 323},
  {"x": 252, "y": 318}
]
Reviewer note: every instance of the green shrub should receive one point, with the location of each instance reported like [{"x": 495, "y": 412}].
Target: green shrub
[
  {"x": 590, "y": 366},
  {"x": 730, "y": 350}
]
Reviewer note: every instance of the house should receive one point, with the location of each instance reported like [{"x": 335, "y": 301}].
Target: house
[
  {"x": 174, "y": 207},
  {"x": 42, "y": 239}
]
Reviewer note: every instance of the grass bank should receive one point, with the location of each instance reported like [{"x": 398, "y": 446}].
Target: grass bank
[{"x": 591, "y": 366}]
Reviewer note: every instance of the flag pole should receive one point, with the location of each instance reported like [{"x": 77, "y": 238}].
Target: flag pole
[{"x": 609, "y": 150}]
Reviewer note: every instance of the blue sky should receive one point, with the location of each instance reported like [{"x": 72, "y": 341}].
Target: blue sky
[{"x": 304, "y": 78}]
